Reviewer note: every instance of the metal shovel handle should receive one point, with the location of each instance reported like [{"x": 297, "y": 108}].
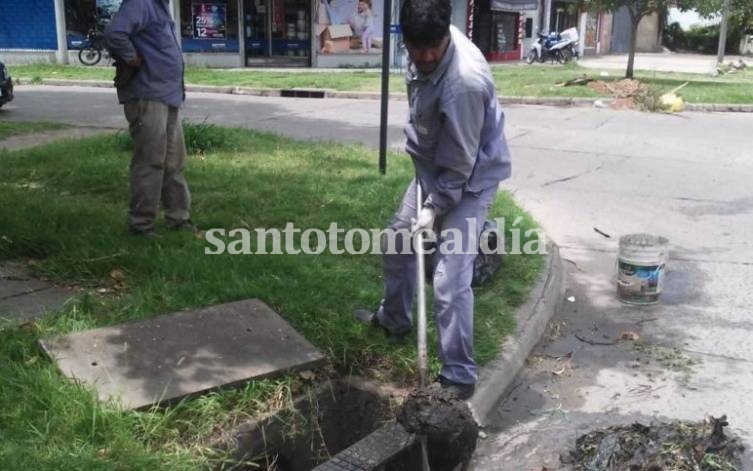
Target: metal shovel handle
[
  {"x": 423, "y": 362},
  {"x": 421, "y": 297}
]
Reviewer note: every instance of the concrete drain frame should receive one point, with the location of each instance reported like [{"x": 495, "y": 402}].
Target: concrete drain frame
[{"x": 341, "y": 424}]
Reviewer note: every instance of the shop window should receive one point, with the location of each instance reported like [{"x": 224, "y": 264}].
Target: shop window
[{"x": 209, "y": 26}]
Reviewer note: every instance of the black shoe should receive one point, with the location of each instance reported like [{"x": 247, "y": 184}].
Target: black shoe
[
  {"x": 370, "y": 318},
  {"x": 460, "y": 390},
  {"x": 145, "y": 233},
  {"x": 186, "y": 225}
]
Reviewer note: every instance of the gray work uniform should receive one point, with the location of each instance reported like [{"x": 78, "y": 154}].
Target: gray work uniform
[
  {"x": 455, "y": 138},
  {"x": 151, "y": 101}
]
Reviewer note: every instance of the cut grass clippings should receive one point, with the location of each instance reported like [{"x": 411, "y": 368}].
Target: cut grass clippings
[
  {"x": 64, "y": 207},
  {"x": 513, "y": 80}
]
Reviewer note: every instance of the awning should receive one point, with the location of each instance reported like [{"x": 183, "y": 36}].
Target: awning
[{"x": 514, "y": 5}]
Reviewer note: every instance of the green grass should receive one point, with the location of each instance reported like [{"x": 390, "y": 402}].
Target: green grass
[
  {"x": 10, "y": 129},
  {"x": 64, "y": 207},
  {"x": 512, "y": 80}
]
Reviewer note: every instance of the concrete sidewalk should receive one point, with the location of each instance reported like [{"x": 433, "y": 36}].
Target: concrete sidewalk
[{"x": 661, "y": 62}]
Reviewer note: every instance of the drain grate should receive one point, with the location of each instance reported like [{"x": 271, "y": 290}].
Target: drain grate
[
  {"x": 373, "y": 451},
  {"x": 301, "y": 93}
]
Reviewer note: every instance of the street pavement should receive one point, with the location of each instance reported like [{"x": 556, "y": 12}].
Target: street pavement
[
  {"x": 661, "y": 62},
  {"x": 685, "y": 177}
]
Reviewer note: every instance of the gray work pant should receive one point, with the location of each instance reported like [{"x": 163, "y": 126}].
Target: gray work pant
[
  {"x": 453, "y": 296},
  {"x": 159, "y": 158}
]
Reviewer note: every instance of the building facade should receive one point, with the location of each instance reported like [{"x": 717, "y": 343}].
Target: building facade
[{"x": 295, "y": 33}]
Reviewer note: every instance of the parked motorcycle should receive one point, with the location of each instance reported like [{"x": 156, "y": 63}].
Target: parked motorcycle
[
  {"x": 92, "y": 48},
  {"x": 559, "y": 47}
]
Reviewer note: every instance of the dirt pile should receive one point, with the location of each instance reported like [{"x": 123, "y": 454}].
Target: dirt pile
[
  {"x": 701, "y": 446},
  {"x": 625, "y": 88},
  {"x": 445, "y": 421}
]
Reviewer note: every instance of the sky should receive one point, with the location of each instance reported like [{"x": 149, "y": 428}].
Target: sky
[{"x": 687, "y": 19}]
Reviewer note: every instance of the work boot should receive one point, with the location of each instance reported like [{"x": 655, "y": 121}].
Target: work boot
[
  {"x": 186, "y": 225},
  {"x": 370, "y": 318},
  {"x": 144, "y": 233},
  {"x": 460, "y": 390}
]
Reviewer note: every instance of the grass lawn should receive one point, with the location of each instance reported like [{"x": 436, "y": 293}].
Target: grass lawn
[
  {"x": 512, "y": 80},
  {"x": 9, "y": 129},
  {"x": 64, "y": 208}
]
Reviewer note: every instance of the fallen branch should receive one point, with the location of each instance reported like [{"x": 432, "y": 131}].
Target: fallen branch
[{"x": 576, "y": 81}]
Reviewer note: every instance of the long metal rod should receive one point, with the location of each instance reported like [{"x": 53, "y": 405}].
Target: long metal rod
[
  {"x": 423, "y": 362},
  {"x": 421, "y": 288},
  {"x": 387, "y": 32}
]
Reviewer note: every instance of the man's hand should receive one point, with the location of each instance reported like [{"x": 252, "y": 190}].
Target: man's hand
[
  {"x": 135, "y": 62},
  {"x": 425, "y": 220}
]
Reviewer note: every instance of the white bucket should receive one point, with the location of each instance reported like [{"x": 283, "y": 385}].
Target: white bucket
[{"x": 641, "y": 266}]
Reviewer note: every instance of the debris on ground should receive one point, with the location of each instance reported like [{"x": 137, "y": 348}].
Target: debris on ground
[
  {"x": 671, "y": 358},
  {"x": 585, "y": 79},
  {"x": 446, "y": 422},
  {"x": 631, "y": 94},
  {"x": 671, "y": 101},
  {"x": 731, "y": 67},
  {"x": 629, "y": 336},
  {"x": 701, "y": 446}
]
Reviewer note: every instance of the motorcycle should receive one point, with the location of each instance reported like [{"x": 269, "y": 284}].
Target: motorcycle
[
  {"x": 92, "y": 48},
  {"x": 559, "y": 47}
]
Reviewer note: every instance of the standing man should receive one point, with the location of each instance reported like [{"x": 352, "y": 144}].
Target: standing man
[
  {"x": 149, "y": 80},
  {"x": 455, "y": 138}
]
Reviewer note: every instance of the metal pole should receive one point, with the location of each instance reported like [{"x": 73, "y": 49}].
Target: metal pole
[
  {"x": 423, "y": 361},
  {"x": 723, "y": 32},
  {"x": 421, "y": 301},
  {"x": 387, "y": 31},
  {"x": 61, "y": 55}
]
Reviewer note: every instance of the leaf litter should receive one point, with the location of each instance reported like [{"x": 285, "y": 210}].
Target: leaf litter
[{"x": 674, "y": 446}]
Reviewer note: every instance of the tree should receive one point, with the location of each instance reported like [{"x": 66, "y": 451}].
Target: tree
[
  {"x": 638, "y": 9},
  {"x": 740, "y": 15}
]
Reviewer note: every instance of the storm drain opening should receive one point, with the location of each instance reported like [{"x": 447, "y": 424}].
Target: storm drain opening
[
  {"x": 334, "y": 416},
  {"x": 298, "y": 93},
  {"x": 356, "y": 426}
]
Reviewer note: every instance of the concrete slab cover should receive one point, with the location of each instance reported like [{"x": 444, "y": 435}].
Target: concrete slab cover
[{"x": 186, "y": 353}]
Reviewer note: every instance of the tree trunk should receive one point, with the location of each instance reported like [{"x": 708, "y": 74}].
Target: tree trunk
[{"x": 635, "y": 20}]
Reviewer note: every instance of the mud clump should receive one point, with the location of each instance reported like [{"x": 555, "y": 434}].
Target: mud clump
[
  {"x": 446, "y": 422},
  {"x": 701, "y": 446}
]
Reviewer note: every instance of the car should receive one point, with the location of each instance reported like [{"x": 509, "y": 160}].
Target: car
[{"x": 6, "y": 85}]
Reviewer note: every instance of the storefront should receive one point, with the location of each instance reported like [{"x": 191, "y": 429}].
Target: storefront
[
  {"x": 258, "y": 33},
  {"x": 499, "y": 27}
]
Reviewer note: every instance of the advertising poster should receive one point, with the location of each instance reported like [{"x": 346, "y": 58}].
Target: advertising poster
[
  {"x": 106, "y": 9},
  {"x": 349, "y": 26},
  {"x": 209, "y": 20}
]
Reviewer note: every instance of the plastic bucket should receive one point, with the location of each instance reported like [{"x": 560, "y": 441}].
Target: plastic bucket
[{"x": 641, "y": 266}]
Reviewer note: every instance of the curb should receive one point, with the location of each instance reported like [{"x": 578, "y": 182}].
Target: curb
[
  {"x": 533, "y": 319},
  {"x": 718, "y": 108},
  {"x": 354, "y": 95}
]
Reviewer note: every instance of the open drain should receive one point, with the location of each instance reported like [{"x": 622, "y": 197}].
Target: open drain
[{"x": 302, "y": 93}]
